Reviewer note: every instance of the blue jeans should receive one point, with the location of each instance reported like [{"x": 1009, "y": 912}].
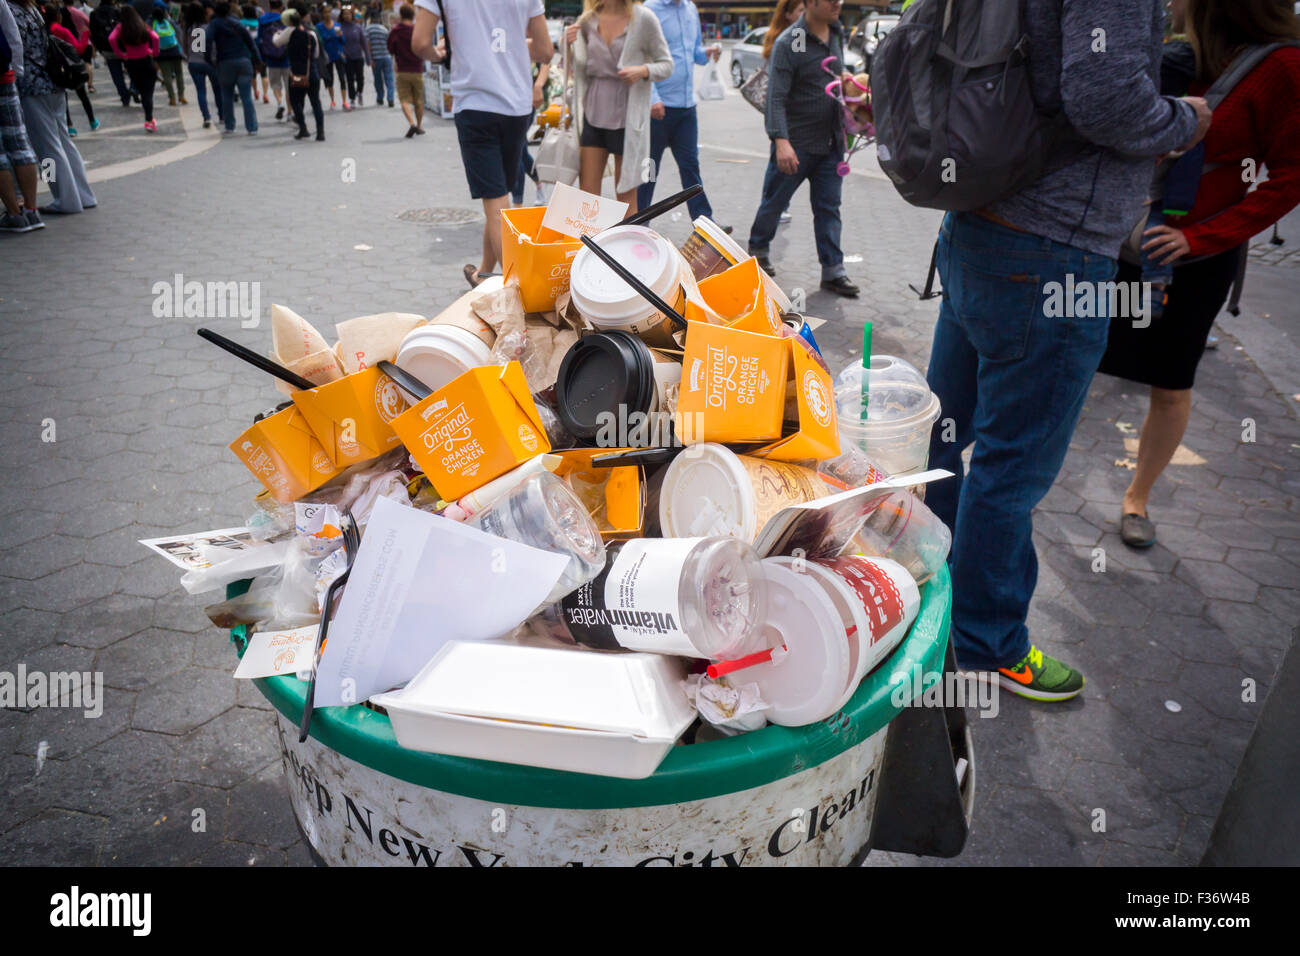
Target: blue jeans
[
  {"x": 202, "y": 74},
  {"x": 1012, "y": 375},
  {"x": 229, "y": 74},
  {"x": 382, "y": 68},
  {"x": 824, "y": 185},
  {"x": 680, "y": 131}
]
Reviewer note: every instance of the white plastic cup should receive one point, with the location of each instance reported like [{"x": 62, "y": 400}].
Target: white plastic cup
[
  {"x": 606, "y": 301},
  {"x": 901, "y": 412},
  {"x": 903, "y": 529},
  {"x": 437, "y": 354}
]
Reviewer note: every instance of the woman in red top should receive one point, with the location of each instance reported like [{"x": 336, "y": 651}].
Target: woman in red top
[
  {"x": 137, "y": 45},
  {"x": 61, "y": 24},
  {"x": 1256, "y": 126}
]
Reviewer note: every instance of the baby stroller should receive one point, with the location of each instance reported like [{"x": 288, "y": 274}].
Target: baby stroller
[{"x": 855, "y": 102}]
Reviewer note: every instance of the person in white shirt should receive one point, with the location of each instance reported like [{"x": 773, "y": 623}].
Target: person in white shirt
[{"x": 492, "y": 94}]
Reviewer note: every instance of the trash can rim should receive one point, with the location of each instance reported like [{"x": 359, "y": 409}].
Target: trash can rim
[{"x": 693, "y": 772}]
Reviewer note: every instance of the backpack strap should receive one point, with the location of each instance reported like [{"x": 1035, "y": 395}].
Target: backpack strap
[
  {"x": 1240, "y": 68},
  {"x": 928, "y": 292},
  {"x": 1239, "y": 281}
]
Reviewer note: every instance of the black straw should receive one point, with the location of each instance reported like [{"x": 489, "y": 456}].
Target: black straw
[{"x": 260, "y": 361}]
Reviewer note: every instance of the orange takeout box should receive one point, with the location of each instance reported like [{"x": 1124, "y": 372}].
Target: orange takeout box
[
  {"x": 353, "y": 416},
  {"x": 739, "y": 296},
  {"x": 539, "y": 258},
  {"x": 475, "y": 428},
  {"x": 811, "y": 398},
  {"x": 624, "y": 490},
  {"x": 284, "y": 454},
  {"x": 733, "y": 385}
]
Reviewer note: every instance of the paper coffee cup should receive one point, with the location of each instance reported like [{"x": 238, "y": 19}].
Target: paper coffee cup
[
  {"x": 710, "y": 490},
  {"x": 605, "y": 300}
]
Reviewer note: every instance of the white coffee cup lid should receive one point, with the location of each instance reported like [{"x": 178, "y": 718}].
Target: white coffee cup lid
[
  {"x": 806, "y": 683},
  {"x": 602, "y": 296},
  {"x": 436, "y": 354},
  {"x": 707, "y": 493}
]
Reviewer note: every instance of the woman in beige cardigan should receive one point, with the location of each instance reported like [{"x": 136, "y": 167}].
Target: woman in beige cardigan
[{"x": 618, "y": 51}]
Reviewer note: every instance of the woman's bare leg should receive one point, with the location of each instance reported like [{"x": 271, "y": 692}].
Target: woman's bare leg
[{"x": 1162, "y": 432}]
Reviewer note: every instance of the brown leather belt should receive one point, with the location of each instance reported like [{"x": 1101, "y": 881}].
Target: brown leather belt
[{"x": 985, "y": 214}]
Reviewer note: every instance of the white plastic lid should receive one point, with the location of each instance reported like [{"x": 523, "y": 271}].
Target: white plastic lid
[
  {"x": 897, "y": 394},
  {"x": 853, "y": 618},
  {"x": 603, "y": 297},
  {"x": 436, "y": 354},
  {"x": 805, "y": 684},
  {"x": 707, "y": 493},
  {"x": 631, "y": 693}
]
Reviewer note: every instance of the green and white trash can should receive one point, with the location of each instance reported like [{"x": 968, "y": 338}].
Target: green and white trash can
[{"x": 875, "y": 776}]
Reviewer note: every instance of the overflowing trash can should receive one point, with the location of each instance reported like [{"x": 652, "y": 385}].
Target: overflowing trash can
[{"x": 803, "y": 796}]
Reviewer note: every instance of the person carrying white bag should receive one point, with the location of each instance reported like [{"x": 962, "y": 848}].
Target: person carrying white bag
[{"x": 619, "y": 51}]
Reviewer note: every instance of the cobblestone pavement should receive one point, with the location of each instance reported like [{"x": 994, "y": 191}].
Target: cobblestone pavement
[{"x": 143, "y": 411}]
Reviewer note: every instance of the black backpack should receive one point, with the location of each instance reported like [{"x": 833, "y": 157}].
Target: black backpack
[
  {"x": 65, "y": 68},
  {"x": 957, "y": 127},
  {"x": 6, "y": 54}
]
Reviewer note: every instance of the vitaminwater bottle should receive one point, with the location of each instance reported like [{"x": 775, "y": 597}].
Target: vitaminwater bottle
[{"x": 693, "y": 597}]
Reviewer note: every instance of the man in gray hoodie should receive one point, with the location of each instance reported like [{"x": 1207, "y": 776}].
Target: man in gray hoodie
[{"x": 1027, "y": 293}]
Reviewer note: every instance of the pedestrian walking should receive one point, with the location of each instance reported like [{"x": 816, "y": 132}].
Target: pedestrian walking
[
  {"x": 619, "y": 51},
  {"x": 673, "y": 123},
  {"x": 805, "y": 127},
  {"x": 171, "y": 60},
  {"x": 785, "y": 15},
  {"x": 381, "y": 61},
  {"x": 62, "y": 26},
  {"x": 1010, "y": 377},
  {"x": 410, "y": 71},
  {"x": 80, "y": 27},
  {"x": 194, "y": 28},
  {"x": 277, "y": 66},
  {"x": 17, "y": 158},
  {"x": 1257, "y": 126},
  {"x": 302, "y": 50},
  {"x": 491, "y": 86},
  {"x": 102, "y": 20},
  {"x": 331, "y": 38},
  {"x": 44, "y": 109},
  {"x": 356, "y": 54},
  {"x": 231, "y": 46},
  {"x": 137, "y": 45}
]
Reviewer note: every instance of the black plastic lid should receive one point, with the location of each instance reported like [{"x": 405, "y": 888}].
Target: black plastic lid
[{"x": 599, "y": 373}]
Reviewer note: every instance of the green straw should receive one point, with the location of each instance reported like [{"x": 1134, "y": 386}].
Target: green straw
[{"x": 866, "y": 367}]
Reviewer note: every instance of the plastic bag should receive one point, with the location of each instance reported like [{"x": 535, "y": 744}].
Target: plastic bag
[{"x": 712, "y": 87}]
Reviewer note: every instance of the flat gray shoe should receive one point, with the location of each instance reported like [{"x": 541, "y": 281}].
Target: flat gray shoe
[{"x": 1137, "y": 531}]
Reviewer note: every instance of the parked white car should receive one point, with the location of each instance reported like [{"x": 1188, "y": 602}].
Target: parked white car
[{"x": 747, "y": 57}]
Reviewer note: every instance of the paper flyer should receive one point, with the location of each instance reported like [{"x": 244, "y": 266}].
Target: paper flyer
[{"x": 419, "y": 581}]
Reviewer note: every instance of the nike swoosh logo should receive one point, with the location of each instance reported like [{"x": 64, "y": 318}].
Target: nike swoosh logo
[{"x": 1026, "y": 678}]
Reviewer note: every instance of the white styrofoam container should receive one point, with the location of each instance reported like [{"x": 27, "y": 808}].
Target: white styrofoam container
[{"x": 595, "y": 712}]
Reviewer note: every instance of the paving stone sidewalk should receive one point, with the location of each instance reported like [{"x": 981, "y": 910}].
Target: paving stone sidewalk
[{"x": 143, "y": 411}]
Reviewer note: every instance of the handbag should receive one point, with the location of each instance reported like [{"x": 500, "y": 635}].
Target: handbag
[
  {"x": 302, "y": 82},
  {"x": 754, "y": 89},
  {"x": 558, "y": 158}
]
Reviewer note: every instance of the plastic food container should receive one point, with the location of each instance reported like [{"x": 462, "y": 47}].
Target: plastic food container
[
  {"x": 901, "y": 410},
  {"x": 438, "y": 354},
  {"x": 903, "y": 529},
  {"x": 606, "y": 301},
  {"x": 710, "y": 490},
  {"x": 616, "y": 715}
]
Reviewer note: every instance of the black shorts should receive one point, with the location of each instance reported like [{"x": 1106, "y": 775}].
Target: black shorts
[
  {"x": 601, "y": 138},
  {"x": 88, "y": 54},
  {"x": 491, "y": 146}
]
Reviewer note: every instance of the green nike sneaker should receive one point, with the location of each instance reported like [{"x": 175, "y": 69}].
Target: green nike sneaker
[{"x": 1039, "y": 677}]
